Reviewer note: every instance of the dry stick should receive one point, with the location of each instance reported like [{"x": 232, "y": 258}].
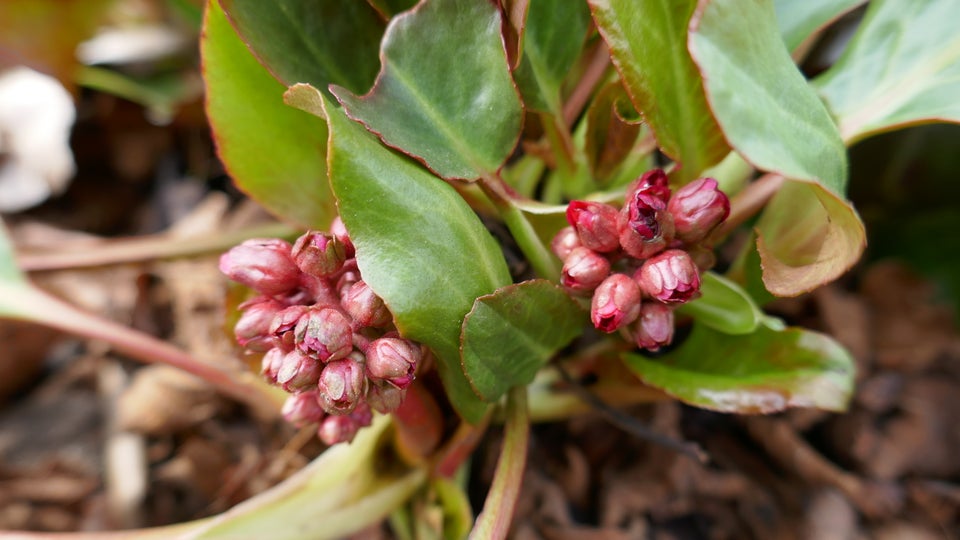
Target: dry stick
[
  {"x": 630, "y": 425},
  {"x": 748, "y": 202}
]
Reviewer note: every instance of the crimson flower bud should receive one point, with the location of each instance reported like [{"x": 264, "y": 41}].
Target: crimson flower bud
[
  {"x": 596, "y": 225},
  {"x": 644, "y": 225},
  {"x": 342, "y": 385},
  {"x": 583, "y": 270},
  {"x": 350, "y": 276},
  {"x": 339, "y": 231},
  {"x": 364, "y": 306},
  {"x": 697, "y": 209},
  {"x": 393, "y": 359},
  {"x": 384, "y": 397},
  {"x": 616, "y": 303},
  {"x": 253, "y": 328},
  {"x": 298, "y": 371},
  {"x": 670, "y": 277},
  {"x": 302, "y": 409},
  {"x": 284, "y": 323},
  {"x": 653, "y": 182},
  {"x": 263, "y": 264},
  {"x": 318, "y": 254},
  {"x": 337, "y": 429},
  {"x": 655, "y": 326},
  {"x": 564, "y": 242},
  {"x": 270, "y": 364},
  {"x": 324, "y": 333}
]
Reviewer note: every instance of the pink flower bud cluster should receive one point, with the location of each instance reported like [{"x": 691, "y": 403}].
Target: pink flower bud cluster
[
  {"x": 326, "y": 337},
  {"x": 639, "y": 261}
]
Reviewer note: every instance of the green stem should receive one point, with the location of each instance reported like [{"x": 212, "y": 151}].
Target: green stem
[{"x": 494, "y": 521}]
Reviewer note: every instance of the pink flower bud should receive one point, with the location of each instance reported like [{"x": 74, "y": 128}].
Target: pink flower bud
[
  {"x": 393, "y": 359},
  {"x": 697, "y": 209},
  {"x": 365, "y": 307},
  {"x": 596, "y": 225},
  {"x": 253, "y": 328},
  {"x": 302, "y": 409},
  {"x": 270, "y": 364},
  {"x": 645, "y": 227},
  {"x": 339, "y": 231},
  {"x": 564, "y": 242},
  {"x": 655, "y": 326},
  {"x": 616, "y": 303},
  {"x": 670, "y": 277},
  {"x": 653, "y": 182},
  {"x": 263, "y": 264},
  {"x": 325, "y": 334},
  {"x": 350, "y": 276},
  {"x": 340, "y": 429},
  {"x": 384, "y": 397},
  {"x": 298, "y": 371},
  {"x": 342, "y": 385},
  {"x": 283, "y": 325},
  {"x": 318, "y": 254},
  {"x": 583, "y": 270}
]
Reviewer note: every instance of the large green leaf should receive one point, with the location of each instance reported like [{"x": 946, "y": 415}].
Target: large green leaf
[
  {"x": 419, "y": 246},
  {"x": 798, "y": 20},
  {"x": 648, "y": 41},
  {"x": 763, "y": 372},
  {"x": 902, "y": 68},
  {"x": 510, "y": 334},
  {"x": 553, "y": 38},
  {"x": 724, "y": 306},
  {"x": 444, "y": 93},
  {"x": 312, "y": 41},
  {"x": 773, "y": 118},
  {"x": 274, "y": 153}
]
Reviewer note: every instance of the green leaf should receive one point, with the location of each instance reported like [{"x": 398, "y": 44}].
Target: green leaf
[
  {"x": 512, "y": 333},
  {"x": 14, "y": 287},
  {"x": 419, "y": 246},
  {"x": 648, "y": 42},
  {"x": 312, "y": 41},
  {"x": 274, "y": 153},
  {"x": 552, "y": 41},
  {"x": 773, "y": 118},
  {"x": 799, "y": 20},
  {"x": 611, "y": 133},
  {"x": 763, "y": 372},
  {"x": 724, "y": 306},
  {"x": 901, "y": 68},
  {"x": 444, "y": 93}
]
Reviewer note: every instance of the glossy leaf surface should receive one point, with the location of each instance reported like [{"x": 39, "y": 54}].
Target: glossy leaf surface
[
  {"x": 512, "y": 333},
  {"x": 762, "y": 372},
  {"x": 320, "y": 42},
  {"x": 901, "y": 68},
  {"x": 648, "y": 42},
  {"x": 444, "y": 93},
  {"x": 724, "y": 306},
  {"x": 553, "y": 38},
  {"x": 419, "y": 246},
  {"x": 274, "y": 153},
  {"x": 799, "y": 20}
]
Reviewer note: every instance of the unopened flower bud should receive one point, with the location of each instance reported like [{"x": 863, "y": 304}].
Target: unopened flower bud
[
  {"x": 350, "y": 276},
  {"x": 697, "y": 209},
  {"x": 644, "y": 225},
  {"x": 284, "y": 324},
  {"x": 384, "y": 397},
  {"x": 298, "y": 371},
  {"x": 318, "y": 254},
  {"x": 596, "y": 225},
  {"x": 393, "y": 359},
  {"x": 654, "y": 327},
  {"x": 364, "y": 306},
  {"x": 325, "y": 334},
  {"x": 270, "y": 364},
  {"x": 340, "y": 429},
  {"x": 653, "y": 182},
  {"x": 339, "y": 231},
  {"x": 302, "y": 409},
  {"x": 583, "y": 270},
  {"x": 670, "y": 277},
  {"x": 616, "y": 303},
  {"x": 253, "y": 328},
  {"x": 264, "y": 265},
  {"x": 564, "y": 242},
  {"x": 342, "y": 385}
]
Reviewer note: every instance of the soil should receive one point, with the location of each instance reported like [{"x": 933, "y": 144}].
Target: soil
[{"x": 91, "y": 441}]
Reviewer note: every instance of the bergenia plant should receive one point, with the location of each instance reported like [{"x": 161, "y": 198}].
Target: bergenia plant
[{"x": 505, "y": 209}]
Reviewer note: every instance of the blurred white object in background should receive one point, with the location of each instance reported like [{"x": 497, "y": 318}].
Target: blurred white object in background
[{"x": 36, "y": 114}]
